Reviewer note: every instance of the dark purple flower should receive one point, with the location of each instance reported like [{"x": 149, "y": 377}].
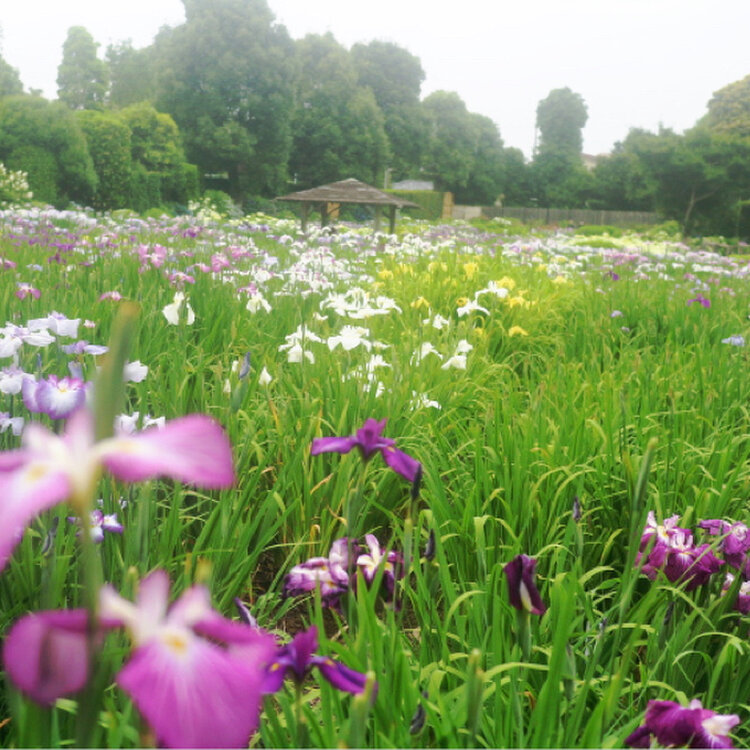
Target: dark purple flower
[
  {"x": 522, "y": 589},
  {"x": 298, "y": 657},
  {"x": 673, "y": 725},
  {"x": 742, "y": 604},
  {"x": 736, "y": 542},
  {"x": 369, "y": 440},
  {"x": 682, "y": 561}
]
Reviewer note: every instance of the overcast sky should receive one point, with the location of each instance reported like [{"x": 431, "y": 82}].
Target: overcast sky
[{"x": 636, "y": 63}]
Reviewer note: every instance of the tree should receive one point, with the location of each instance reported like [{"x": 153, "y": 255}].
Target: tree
[
  {"x": 729, "y": 110},
  {"x": 43, "y": 139},
  {"x": 560, "y": 118},
  {"x": 486, "y": 174},
  {"x": 338, "y": 126},
  {"x": 559, "y": 176},
  {"x": 82, "y": 78},
  {"x": 450, "y": 143},
  {"x": 701, "y": 178},
  {"x": 395, "y": 77},
  {"x": 226, "y": 76},
  {"x": 132, "y": 75},
  {"x": 10, "y": 82},
  {"x": 516, "y": 185},
  {"x": 620, "y": 180}
]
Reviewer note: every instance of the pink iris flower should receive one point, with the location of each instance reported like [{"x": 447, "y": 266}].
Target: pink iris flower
[
  {"x": 196, "y": 677},
  {"x": 49, "y": 469}
]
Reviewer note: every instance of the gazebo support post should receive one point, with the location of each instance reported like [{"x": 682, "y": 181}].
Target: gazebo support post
[
  {"x": 392, "y": 219},
  {"x": 305, "y": 216},
  {"x": 378, "y": 218}
]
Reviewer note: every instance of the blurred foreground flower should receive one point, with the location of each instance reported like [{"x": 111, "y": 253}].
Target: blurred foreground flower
[
  {"x": 673, "y": 725},
  {"x": 196, "y": 676},
  {"x": 522, "y": 590},
  {"x": 50, "y": 468},
  {"x": 369, "y": 440}
]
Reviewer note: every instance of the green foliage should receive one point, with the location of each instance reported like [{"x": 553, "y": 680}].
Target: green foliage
[
  {"x": 145, "y": 188},
  {"x": 108, "y": 140},
  {"x": 41, "y": 168},
  {"x": 560, "y": 119},
  {"x": 590, "y": 230},
  {"x": 14, "y": 186},
  {"x": 729, "y": 110},
  {"x": 338, "y": 126},
  {"x": 82, "y": 78},
  {"x": 10, "y": 81},
  {"x": 44, "y": 139},
  {"x": 132, "y": 74},
  {"x": 395, "y": 77},
  {"x": 226, "y": 76},
  {"x": 430, "y": 203}
]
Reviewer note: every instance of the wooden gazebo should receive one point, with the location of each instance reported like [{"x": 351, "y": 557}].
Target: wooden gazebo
[{"x": 328, "y": 199}]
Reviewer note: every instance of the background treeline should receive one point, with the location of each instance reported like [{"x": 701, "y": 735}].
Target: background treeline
[{"x": 227, "y": 100}]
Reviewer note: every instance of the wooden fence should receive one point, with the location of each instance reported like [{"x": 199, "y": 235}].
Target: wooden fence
[{"x": 571, "y": 216}]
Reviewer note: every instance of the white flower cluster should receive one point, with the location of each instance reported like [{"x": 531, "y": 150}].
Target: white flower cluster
[{"x": 14, "y": 186}]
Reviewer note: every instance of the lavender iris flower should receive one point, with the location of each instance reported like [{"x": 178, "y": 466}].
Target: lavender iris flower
[
  {"x": 522, "y": 590},
  {"x": 673, "y": 725},
  {"x": 56, "y": 397},
  {"x": 298, "y": 657},
  {"x": 369, "y": 440}
]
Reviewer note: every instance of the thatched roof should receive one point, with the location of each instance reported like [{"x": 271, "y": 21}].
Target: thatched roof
[{"x": 347, "y": 191}]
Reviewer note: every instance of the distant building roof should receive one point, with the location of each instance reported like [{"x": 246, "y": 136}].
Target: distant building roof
[
  {"x": 346, "y": 191},
  {"x": 413, "y": 185}
]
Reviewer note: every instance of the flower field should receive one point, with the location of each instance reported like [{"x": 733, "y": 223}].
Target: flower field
[{"x": 463, "y": 486}]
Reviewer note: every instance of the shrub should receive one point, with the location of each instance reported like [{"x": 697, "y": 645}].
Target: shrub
[{"x": 108, "y": 141}]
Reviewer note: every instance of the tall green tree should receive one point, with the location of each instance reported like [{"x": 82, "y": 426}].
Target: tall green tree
[
  {"x": 338, "y": 127},
  {"x": 82, "y": 78},
  {"x": 450, "y": 142},
  {"x": 395, "y": 77},
  {"x": 560, "y": 119},
  {"x": 132, "y": 74},
  {"x": 558, "y": 173},
  {"x": 487, "y": 173},
  {"x": 226, "y": 76},
  {"x": 43, "y": 139}
]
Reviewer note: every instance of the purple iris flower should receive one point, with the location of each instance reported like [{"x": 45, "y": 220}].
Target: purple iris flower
[
  {"x": 700, "y": 299},
  {"x": 682, "y": 561},
  {"x": 298, "y": 657},
  {"x": 369, "y": 440},
  {"x": 374, "y": 558},
  {"x": 83, "y": 347},
  {"x": 99, "y": 522},
  {"x": 742, "y": 605},
  {"x": 56, "y": 397},
  {"x": 522, "y": 590},
  {"x": 330, "y": 574},
  {"x": 189, "y": 665},
  {"x": 736, "y": 542},
  {"x": 673, "y": 725}
]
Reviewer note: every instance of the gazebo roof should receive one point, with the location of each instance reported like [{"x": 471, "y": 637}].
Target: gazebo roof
[{"x": 347, "y": 191}]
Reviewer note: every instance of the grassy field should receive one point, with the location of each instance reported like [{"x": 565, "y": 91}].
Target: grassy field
[{"x": 555, "y": 388}]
